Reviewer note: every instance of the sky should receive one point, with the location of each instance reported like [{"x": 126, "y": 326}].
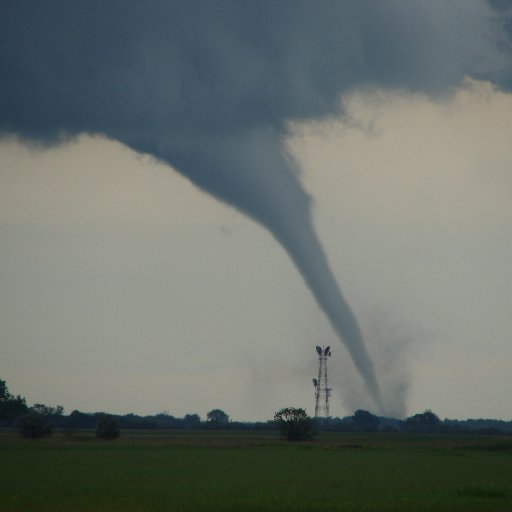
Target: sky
[{"x": 145, "y": 258}]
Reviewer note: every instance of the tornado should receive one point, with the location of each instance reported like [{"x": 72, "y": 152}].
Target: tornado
[
  {"x": 210, "y": 88},
  {"x": 256, "y": 176}
]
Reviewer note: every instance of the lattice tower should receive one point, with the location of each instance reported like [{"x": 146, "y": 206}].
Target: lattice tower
[{"x": 322, "y": 390}]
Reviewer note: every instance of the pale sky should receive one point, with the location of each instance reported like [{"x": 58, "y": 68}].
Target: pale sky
[{"x": 126, "y": 289}]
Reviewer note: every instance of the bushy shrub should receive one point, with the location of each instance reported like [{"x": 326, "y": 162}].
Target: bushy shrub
[
  {"x": 34, "y": 426},
  {"x": 107, "y": 427},
  {"x": 294, "y": 424}
]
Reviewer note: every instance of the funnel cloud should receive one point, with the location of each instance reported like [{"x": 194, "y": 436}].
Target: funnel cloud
[{"x": 211, "y": 87}]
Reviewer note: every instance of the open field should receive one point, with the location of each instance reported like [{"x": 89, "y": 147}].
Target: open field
[{"x": 253, "y": 471}]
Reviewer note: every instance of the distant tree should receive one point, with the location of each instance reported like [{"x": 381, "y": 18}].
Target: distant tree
[
  {"x": 46, "y": 410},
  {"x": 166, "y": 420},
  {"x": 191, "y": 421},
  {"x": 107, "y": 427},
  {"x": 79, "y": 419},
  {"x": 217, "y": 418},
  {"x": 138, "y": 422},
  {"x": 11, "y": 407},
  {"x": 52, "y": 415},
  {"x": 424, "y": 422},
  {"x": 294, "y": 424},
  {"x": 34, "y": 426},
  {"x": 4, "y": 391},
  {"x": 364, "y": 420},
  {"x": 336, "y": 424}
]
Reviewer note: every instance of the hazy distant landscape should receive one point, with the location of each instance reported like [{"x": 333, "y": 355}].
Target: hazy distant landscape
[
  {"x": 14, "y": 408},
  {"x": 187, "y": 471},
  {"x": 358, "y": 463}
]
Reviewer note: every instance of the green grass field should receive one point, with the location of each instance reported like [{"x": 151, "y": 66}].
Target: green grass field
[{"x": 244, "y": 471}]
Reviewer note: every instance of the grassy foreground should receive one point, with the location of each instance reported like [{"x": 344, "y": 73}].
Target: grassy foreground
[{"x": 256, "y": 472}]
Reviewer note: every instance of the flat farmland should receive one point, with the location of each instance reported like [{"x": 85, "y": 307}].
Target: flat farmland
[{"x": 250, "y": 471}]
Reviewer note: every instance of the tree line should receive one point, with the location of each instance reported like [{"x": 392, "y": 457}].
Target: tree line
[{"x": 39, "y": 420}]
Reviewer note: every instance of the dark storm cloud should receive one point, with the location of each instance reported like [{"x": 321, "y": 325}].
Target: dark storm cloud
[
  {"x": 136, "y": 69},
  {"x": 209, "y": 87}
]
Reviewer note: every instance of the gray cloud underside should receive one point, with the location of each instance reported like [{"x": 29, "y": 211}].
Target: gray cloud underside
[
  {"x": 156, "y": 73},
  {"x": 192, "y": 82}
]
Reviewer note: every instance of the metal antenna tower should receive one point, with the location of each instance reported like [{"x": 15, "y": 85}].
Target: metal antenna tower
[{"x": 322, "y": 391}]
